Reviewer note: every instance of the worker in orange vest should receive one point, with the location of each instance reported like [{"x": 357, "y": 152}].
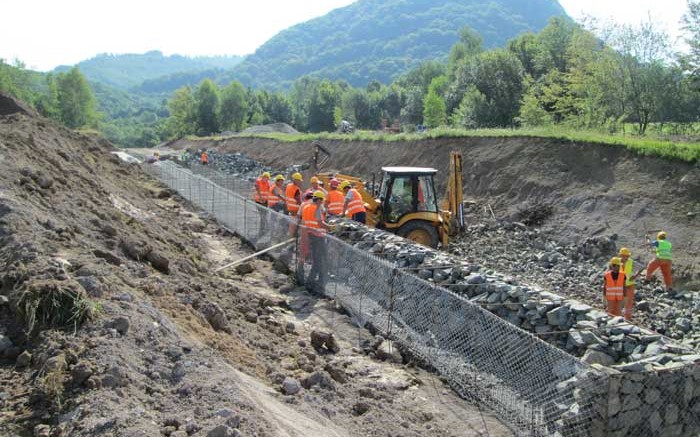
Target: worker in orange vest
[
  {"x": 353, "y": 206},
  {"x": 293, "y": 194},
  {"x": 275, "y": 198},
  {"x": 662, "y": 260},
  {"x": 262, "y": 188},
  {"x": 614, "y": 287},
  {"x": 316, "y": 186},
  {"x": 313, "y": 218},
  {"x": 204, "y": 158},
  {"x": 335, "y": 200}
]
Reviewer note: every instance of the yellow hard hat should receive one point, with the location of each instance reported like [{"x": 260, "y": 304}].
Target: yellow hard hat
[
  {"x": 314, "y": 180},
  {"x": 661, "y": 235},
  {"x": 344, "y": 185},
  {"x": 266, "y": 174},
  {"x": 279, "y": 177},
  {"x": 297, "y": 177},
  {"x": 319, "y": 195},
  {"x": 625, "y": 252},
  {"x": 615, "y": 261}
]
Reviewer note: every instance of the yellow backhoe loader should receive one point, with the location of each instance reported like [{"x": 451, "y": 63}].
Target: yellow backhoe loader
[{"x": 407, "y": 203}]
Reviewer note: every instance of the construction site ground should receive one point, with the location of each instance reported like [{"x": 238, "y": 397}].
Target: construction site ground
[{"x": 168, "y": 347}]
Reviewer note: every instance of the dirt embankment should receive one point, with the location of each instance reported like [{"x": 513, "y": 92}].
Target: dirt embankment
[
  {"x": 594, "y": 189},
  {"x": 112, "y": 323}
]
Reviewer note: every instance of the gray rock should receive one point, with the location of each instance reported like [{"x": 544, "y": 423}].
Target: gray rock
[
  {"x": 671, "y": 414},
  {"x": 92, "y": 285},
  {"x": 595, "y": 357},
  {"x": 220, "y": 431},
  {"x": 558, "y": 316},
  {"x": 631, "y": 387},
  {"x": 580, "y": 308},
  {"x": 81, "y": 372},
  {"x": 251, "y": 316},
  {"x": 121, "y": 324},
  {"x": 387, "y": 351},
  {"x": 159, "y": 261},
  {"x": 651, "y": 396},
  {"x": 5, "y": 344},
  {"x": 215, "y": 316},
  {"x": 290, "y": 386},
  {"x": 4, "y": 300},
  {"x": 244, "y": 268},
  {"x": 476, "y": 279},
  {"x": 324, "y": 340},
  {"x": 684, "y": 324},
  {"x": 24, "y": 359}
]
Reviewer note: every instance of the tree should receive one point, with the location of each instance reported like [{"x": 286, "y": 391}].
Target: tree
[
  {"x": 473, "y": 111},
  {"x": 469, "y": 45},
  {"x": 182, "y": 120},
  {"x": 76, "y": 101},
  {"x": 498, "y": 76},
  {"x": 434, "y": 110},
  {"x": 206, "y": 99},
  {"x": 643, "y": 52},
  {"x": 691, "y": 25},
  {"x": 233, "y": 108},
  {"x": 324, "y": 99},
  {"x": 48, "y": 103}
]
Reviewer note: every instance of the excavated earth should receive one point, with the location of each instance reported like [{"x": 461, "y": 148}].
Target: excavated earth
[
  {"x": 112, "y": 322},
  {"x": 591, "y": 189},
  {"x": 579, "y": 203}
]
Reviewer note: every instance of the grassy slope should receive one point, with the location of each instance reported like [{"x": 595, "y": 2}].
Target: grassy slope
[{"x": 689, "y": 152}]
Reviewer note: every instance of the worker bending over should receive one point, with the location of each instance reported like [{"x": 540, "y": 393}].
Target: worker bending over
[
  {"x": 662, "y": 260},
  {"x": 313, "y": 218},
  {"x": 335, "y": 200},
  {"x": 353, "y": 206},
  {"x": 614, "y": 287},
  {"x": 293, "y": 194}
]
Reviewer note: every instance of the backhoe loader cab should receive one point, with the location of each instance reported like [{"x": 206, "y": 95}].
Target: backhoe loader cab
[{"x": 408, "y": 205}]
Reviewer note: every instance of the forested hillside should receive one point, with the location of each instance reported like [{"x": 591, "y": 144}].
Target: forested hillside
[
  {"x": 131, "y": 70},
  {"x": 381, "y": 39}
]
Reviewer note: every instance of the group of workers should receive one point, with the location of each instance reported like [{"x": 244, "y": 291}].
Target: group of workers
[
  {"x": 620, "y": 280},
  {"x": 312, "y": 208},
  {"x": 340, "y": 200}
]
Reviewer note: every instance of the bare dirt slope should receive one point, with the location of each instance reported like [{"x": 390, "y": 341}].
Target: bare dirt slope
[
  {"x": 594, "y": 189},
  {"x": 165, "y": 347}
]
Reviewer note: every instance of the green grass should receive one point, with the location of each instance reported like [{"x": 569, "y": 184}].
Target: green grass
[{"x": 647, "y": 146}]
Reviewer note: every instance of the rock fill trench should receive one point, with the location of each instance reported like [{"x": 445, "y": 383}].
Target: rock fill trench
[{"x": 636, "y": 361}]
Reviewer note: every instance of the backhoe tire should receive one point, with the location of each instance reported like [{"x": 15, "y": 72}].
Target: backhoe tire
[{"x": 421, "y": 232}]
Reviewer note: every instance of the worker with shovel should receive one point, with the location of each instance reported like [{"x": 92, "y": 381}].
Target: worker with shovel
[
  {"x": 313, "y": 218},
  {"x": 662, "y": 260}
]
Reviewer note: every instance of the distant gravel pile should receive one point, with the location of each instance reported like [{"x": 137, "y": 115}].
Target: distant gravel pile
[{"x": 282, "y": 128}]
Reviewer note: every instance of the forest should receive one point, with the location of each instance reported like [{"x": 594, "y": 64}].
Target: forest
[{"x": 611, "y": 79}]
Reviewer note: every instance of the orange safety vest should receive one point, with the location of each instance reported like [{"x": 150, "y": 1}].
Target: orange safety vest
[
  {"x": 263, "y": 190},
  {"x": 291, "y": 193},
  {"x": 336, "y": 200},
  {"x": 204, "y": 157},
  {"x": 356, "y": 205},
  {"x": 308, "y": 219},
  {"x": 272, "y": 198},
  {"x": 614, "y": 290}
]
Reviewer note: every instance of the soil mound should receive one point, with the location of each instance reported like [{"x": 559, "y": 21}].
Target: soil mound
[
  {"x": 10, "y": 105},
  {"x": 111, "y": 322},
  {"x": 282, "y": 128}
]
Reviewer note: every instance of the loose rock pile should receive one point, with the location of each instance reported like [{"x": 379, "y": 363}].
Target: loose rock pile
[
  {"x": 573, "y": 326},
  {"x": 576, "y": 271}
]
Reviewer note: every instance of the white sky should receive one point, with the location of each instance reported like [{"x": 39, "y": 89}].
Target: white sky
[{"x": 47, "y": 33}]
